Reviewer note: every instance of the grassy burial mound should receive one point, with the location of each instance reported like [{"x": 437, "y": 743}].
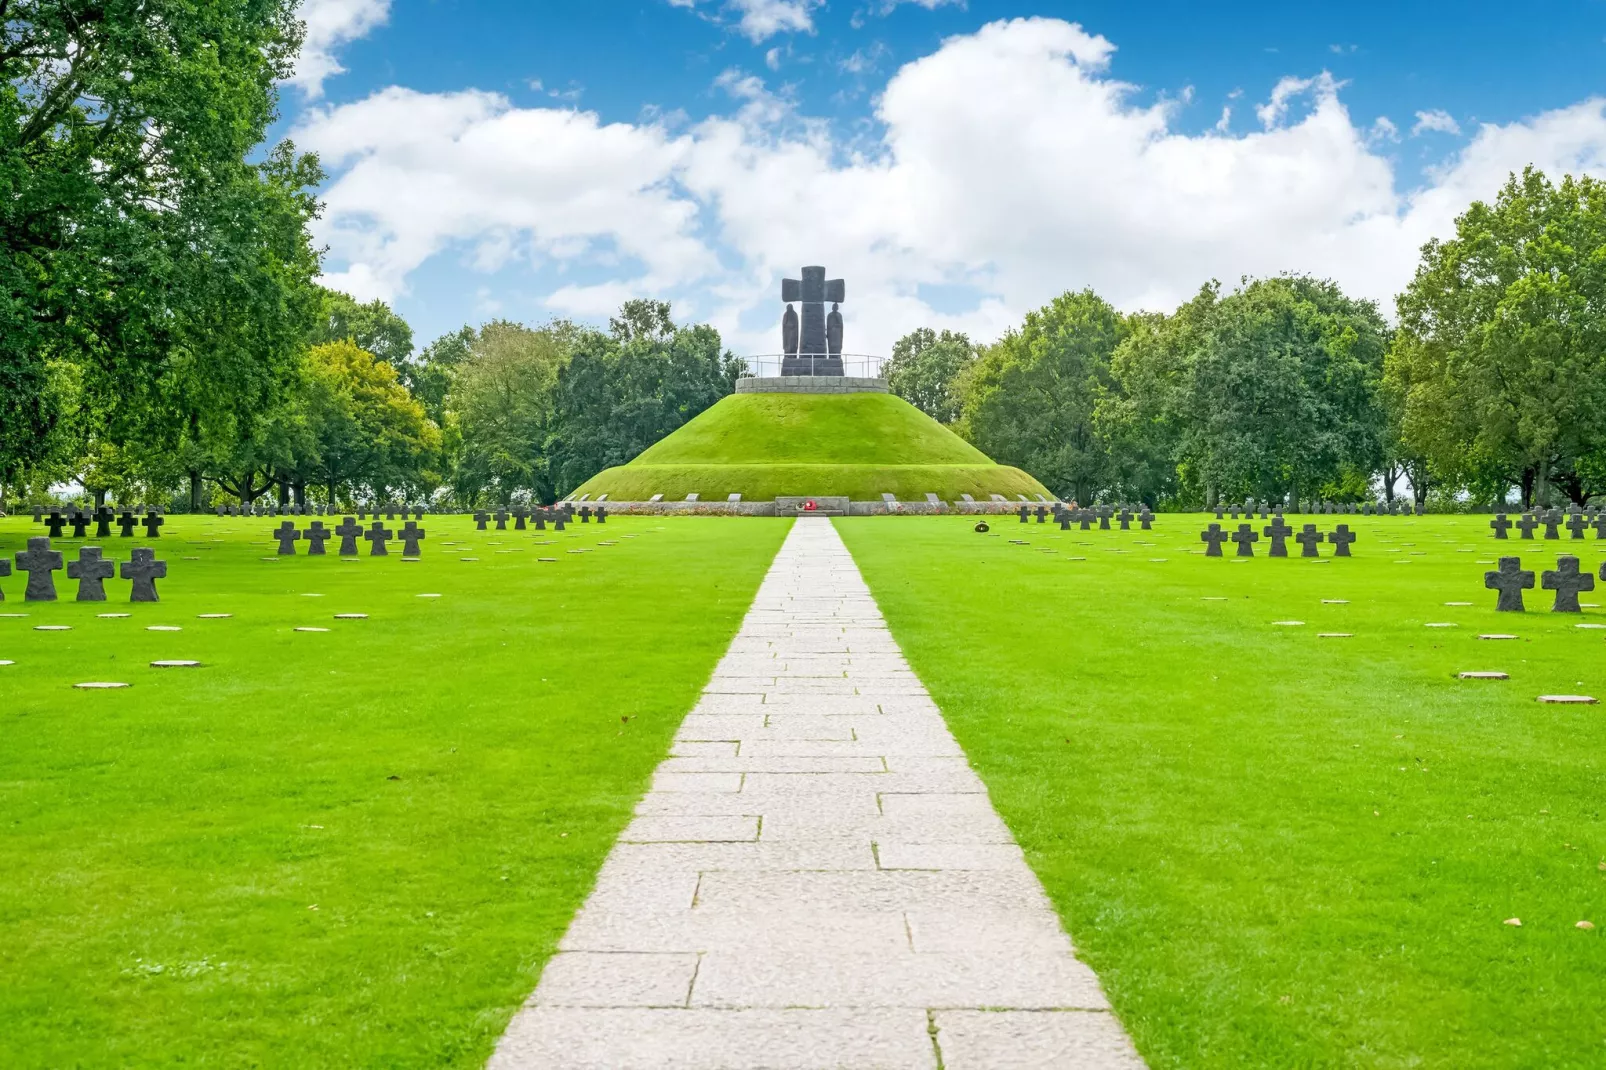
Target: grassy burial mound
[{"x": 762, "y": 446}]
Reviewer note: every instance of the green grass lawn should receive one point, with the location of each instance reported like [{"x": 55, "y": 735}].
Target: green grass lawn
[
  {"x": 352, "y": 847},
  {"x": 1278, "y": 849},
  {"x": 763, "y": 446}
]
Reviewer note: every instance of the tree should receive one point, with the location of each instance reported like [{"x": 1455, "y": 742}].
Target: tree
[
  {"x": 139, "y": 241},
  {"x": 372, "y": 327},
  {"x": 1029, "y": 400},
  {"x": 1501, "y": 354},
  {"x": 620, "y": 393},
  {"x": 501, "y": 408},
  {"x": 1280, "y": 397},
  {"x": 429, "y": 377},
  {"x": 363, "y": 427},
  {"x": 923, "y": 367}
]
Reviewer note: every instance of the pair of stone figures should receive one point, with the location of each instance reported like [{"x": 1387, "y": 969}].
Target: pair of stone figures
[{"x": 812, "y": 344}]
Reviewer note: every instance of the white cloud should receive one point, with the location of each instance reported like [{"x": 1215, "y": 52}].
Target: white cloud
[
  {"x": 759, "y": 20},
  {"x": 330, "y": 24},
  {"x": 1383, "y": 129},
  {"x": 1437, "y": 120},
  {"x": 1053, "y": 179}
]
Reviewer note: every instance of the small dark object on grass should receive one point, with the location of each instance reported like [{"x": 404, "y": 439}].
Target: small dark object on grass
[{"x": 981, "y": 525}]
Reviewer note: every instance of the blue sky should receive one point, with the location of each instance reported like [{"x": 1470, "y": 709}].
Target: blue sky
[{"x": 958, "y": 162}]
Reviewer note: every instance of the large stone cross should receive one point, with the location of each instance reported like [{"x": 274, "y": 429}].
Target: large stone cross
[
  {"x": 1213, "y": 537},
  {"x": 316, "y": 535},
  {"x": 377, "y": 537},
  {"x": 410, "y": 534},
  {"x": 1567, "y": 582},
  {"x": 1341, "y": 538},
  {"x": 91, "y": 572},
  {"x": 1552, "y": 521},
  {"x": 1246, "y": 538},
  {"x": 1576, "y": 524},
  {"x": 153, "y": 524},
  {"x": 1309, "y": 540},
  {"x": 5, "y": 570},
  {"x": 1510, "y": 580},
  {"x": 814, "y": 355},
  {"x": 39, "y": 561},
  {"x": 288, "y": 536},
  {"x": 1500, "y": 525},
  {"x": 1526, "y": 525},
  {"x": 144, "y": 570}
]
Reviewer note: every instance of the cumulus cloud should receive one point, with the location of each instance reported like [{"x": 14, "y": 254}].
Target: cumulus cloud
[
  {"x": 330, "y": 24},
  {"x": 1437, "y": 120},
  {"x": 759, "y": 20},
  {"x": 1056, "y": 178}
]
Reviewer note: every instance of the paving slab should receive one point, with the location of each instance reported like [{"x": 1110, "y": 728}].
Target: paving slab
[{"x": 815, "y": 878}]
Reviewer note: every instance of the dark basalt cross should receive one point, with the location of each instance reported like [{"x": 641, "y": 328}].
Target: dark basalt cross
[
  {"x": 1599, "y": 525},
  {"x": 54, "y": 523},
  {"x": 480, "y": 518},
  {"x": 1552, "y": 521},
  {"x": 602, "y": 514},
  {"x": 153, "y": 524},
  {"x": 91, "y": 573},
  {"x": 1309, "y": 540},
  {"x": 1510, "y": 580},
  {"x": 1213, "y": 537},
  {"x": 411, "y": 533},
  {"x": 1104, "y": 518},
  {"x": 1042, "y": 514},
  {"x": 288, "y": 536},
  {"x": 1246, "y": 538},
  {"x": 1085, "y": 517},
  {"x": 316, "y": 535},
  {"x": 144, "y": 570},
  {"x": 348, "y": 530},
  {"x": 501, "y": 520},
  {"x": 1341, "y": 538},
  {"x": 1500, "y": 525},
  {"x": 814, "y": 354},
  {"x": 1577, "y": 524},
  {"x": 1567, "y": 582},
  {"x": 1024, "y": 512},
  {"x": 1064, "y": 516},
  {"x": 5, "y": 570},
  {"x": 103, "y": 522},
  {"x": 80, "y": 523},
  {"x": 1278, "y": 532},
  {"x": 39, "y": 561},
  {"x": 126, "y": 523},
  {"x": 519, "y": 515},
  {"x": 1146, "y": 519},
  {"x": 377, "y": 537},
  {"x": 1126, "y": 519},
  {"x": 1526, "y": 525}
]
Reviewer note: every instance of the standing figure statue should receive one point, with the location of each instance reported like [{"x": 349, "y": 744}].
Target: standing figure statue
[
  {"x": 833, "y": 333},
  {"x": 789, "y": 333}
]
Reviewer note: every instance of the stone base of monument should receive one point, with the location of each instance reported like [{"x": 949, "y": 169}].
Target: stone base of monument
[
  {"x": 823, "y": 506},
  {"x": 811, "y": 384}
]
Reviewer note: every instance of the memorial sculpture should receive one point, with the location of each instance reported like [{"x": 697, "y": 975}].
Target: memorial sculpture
[{"x": 812, "y": 345}]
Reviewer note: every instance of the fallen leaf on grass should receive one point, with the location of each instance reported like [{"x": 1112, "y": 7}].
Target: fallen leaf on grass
[{"x": 1516, "y": 922}]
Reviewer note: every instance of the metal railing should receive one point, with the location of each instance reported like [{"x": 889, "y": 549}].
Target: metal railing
[{"x": 856, "y": 365}]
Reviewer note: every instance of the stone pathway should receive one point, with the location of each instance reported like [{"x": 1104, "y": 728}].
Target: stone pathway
[{"x": 816, "y": 878}]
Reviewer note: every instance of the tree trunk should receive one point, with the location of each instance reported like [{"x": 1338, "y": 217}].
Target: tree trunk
[
  {"x": 1527, "y": 488},
  {"x": 195, "y": 490}
]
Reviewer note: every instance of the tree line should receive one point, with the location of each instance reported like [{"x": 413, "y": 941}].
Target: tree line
[{"x": 1491, "y": 383}]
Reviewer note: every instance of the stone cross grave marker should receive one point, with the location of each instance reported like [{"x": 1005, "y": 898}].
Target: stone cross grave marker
[
  {"x": 153, "y": 524},
  {"x": 1104, "y": 517},
  {"x": 1599, "y": 525},
  {"x": 520, "y": 514},
  {"x": 79, "y": 519},
  {"x": 126, "y": 523},
  {"x": 348, "y": 530},
  {"x": 144, "y": 570},
  {"x": 1277, "y": 532},
  {"x": 39, "y": 561},
  {"x": 480, "y": 519},
  {"x": 501, "y": 520},
  {"x": 1567, "y": 582},
  {"x": 1146, "y": 519},
  {"x": 1024, "y": 512},
  {"x": 1246, "y": 538},
  {"x": 1309, "y": 540},
  {"x": 1341, "y": 538},
  {"x": 1042, "y": 514},
  {"x": 1526, "y": 525},
  {"x": 814, "y": 346},
  {"x": 288, "y": 536},
  {"x": 1510, "y": 580},
  {"x": 559, "y": 519},
  {"x": 539, "y": 517},
  {"x": 1576, "y": 524},
  {"x": 91, "y": 573},
  {"x": 1500, "y": 525},
  {"x": 377, "y": 537},
  {"x": 1220, "y": 512},
  {"x": 602, "y": 514},
  {"x": 5, "y": 570},
  {"x": 1065, "y": 519},
  {"x": 1552, "y": 521},
  {"x": 585, "y": 514},
  {"x": 1213, "y": 537},
  {"x": 411, "y": 533},
  {"x": 316, "y": 535},
  {"x": 1126, "y": 519},
  {"x": 54, "y": 523},
  {"x": 103, "y": 522}
]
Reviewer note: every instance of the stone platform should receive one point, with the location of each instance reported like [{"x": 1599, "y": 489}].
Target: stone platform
[{"x": 811, "y": 384}]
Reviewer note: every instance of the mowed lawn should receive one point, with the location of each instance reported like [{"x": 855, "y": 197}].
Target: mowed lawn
[
  {"x": 1279, "y": 849},
  {"x": 353, "y": 847}
]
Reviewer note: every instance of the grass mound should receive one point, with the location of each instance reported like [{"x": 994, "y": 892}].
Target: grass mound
[{"x": 765, "y": 445}]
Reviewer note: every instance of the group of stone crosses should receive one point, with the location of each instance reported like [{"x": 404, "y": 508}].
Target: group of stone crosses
[
  {"x": 389, "y": 509},
  {"x": 349, "y": 531},
  {"x": 91, "y": 571},
  {"x": 558, "y": 516},
  {"x": 103, "y": 517},
  {"x": 1101, "y": 515},
  {"x": 1397, "y": 507},
  {"x": 1567, "y": 580},
  {"x": 1575, "y": 520},
  {"x": 1277, "y": 532}
]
